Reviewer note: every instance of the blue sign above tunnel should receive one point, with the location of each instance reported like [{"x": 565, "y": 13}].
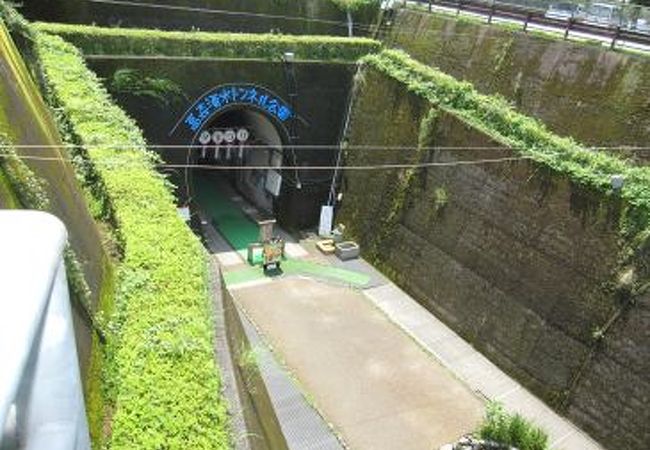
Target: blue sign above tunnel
[{"x": 223, "y": 97}]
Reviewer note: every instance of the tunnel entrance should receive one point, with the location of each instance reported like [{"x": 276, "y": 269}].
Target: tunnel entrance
[
  {"x": 238, "y": 138},
  {"x": 246, "y": 140}
]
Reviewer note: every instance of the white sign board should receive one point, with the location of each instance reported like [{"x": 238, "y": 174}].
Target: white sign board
[
  {"x": 273, "y": 182},
  {"x": 204, "y": 137},
  {"x": 326, "y": 219},
  {"x": 243, "y": 135},
  {"x": 184, "y": 212}
]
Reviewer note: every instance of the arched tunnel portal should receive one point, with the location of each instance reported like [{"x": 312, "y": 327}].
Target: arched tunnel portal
[{"x": 242, "y": 137}]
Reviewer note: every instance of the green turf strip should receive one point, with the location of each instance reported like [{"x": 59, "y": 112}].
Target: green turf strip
[
  {"x": 227, "y": 216},
  {"x": 300, "y": 267}
]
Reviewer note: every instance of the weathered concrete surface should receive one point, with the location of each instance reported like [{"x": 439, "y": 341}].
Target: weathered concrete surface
[
  {"x": 369, "y": 379},
  {"x": 27, "y": 123},
  {"x": 519, "y": 260},
  {"x": 598, "y": 96},
  {"x": 252, "y": 16},
  {"x": 476, "y": 370}
]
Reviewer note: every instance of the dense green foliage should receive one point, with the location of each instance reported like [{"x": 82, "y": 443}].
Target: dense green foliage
[
  {"x": 354, "y": 5},
  {"x": 161, "y": 91},
  {"x": 117, "y": 41},
  {"x": 512, "y": 430},
  {"x": 161, "y": 384},
  {"x": 495, "y": 117}
]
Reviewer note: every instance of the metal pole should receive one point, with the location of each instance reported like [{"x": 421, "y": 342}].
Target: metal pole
[
  {"x": 528, "y": 17},
  {"x": 617, "y": 34},
  {"x": 568, "y": 28}
]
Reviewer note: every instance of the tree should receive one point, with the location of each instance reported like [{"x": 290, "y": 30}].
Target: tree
[{"x": 351, "y": 6}]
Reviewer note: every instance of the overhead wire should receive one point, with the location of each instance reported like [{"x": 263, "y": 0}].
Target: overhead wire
[
  {"x": 392, "y": 166},
  {"x": 215, "y": 11},
  {"x": 355, "y": 25},
  {"x": 622, "y": 147}
]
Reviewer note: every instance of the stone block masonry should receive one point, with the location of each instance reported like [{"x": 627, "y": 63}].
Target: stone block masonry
[
  {"x": 597, "y": 96},
  {"x": 520, "y": 260}
]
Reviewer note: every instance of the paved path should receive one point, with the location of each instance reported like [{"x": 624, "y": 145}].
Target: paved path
[
  {"x": 377, "y": 387},
  {"x": 474, "y": 368}
]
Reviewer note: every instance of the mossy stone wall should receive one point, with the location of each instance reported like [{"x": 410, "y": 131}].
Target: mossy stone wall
[
  {"x": 599, "y": 97},
  {"x": 26, "y": 121},
  {"x": 291, "y": 16},
  {"x": 521, "y": 261}
]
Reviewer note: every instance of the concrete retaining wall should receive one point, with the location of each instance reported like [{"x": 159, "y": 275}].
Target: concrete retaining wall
[
  {"x": 519, "y": 260},
  {"x": 252, "y": 16},
  {"x": 599, "y": 97},
  {"x": 323, "y": 95},
  {"x": 26, "y": 122}
]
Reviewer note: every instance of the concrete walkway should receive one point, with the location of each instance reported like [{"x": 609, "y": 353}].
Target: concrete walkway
[
  {"x": 381, "y": 368},
  {"x": 377, "y": 387},
  {"x": 475, "y": 369}
]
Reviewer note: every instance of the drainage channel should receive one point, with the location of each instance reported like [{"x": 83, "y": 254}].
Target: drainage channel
[{"x": 268, "y": 410}]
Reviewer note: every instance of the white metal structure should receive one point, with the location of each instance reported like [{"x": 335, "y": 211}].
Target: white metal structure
[{"x": 41, "y": 399}]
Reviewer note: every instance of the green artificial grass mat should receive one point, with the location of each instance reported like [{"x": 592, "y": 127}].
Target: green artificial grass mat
[
  {"x": 299, "y": 267},
  {"x": 237, "y": 228}
]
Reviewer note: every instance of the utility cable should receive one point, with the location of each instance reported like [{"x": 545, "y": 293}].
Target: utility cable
[
  {"x": 215, "y": 11},
  {"x": 395, "y": 166},
  {"x": 312, "y": 147}
]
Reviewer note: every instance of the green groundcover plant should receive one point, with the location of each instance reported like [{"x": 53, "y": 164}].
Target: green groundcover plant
[
  {"x": 161, "y": 386},
  {"x": 526, "y": 136},
  {"x": 118, "y": 41},
  {"x": 512, "y": 430}
]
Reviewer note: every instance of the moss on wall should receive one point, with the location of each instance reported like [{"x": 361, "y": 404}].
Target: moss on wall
[
  {"x": 139, "y": 42},
  {"x": 530, "y": 138},
  {"x": 27, "y": 123},
  {"x": 251, "y": 16},
  {"x": 599, "y": 97},
  {"x": 522, "y": 256},
  {"x": 8, "y": 199}
]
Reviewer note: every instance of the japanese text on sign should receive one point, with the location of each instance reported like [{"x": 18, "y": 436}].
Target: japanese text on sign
[{"x": 221, "y": 97}]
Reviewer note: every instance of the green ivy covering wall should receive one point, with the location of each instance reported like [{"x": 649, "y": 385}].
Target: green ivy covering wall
[
  {"x": 537, "y": 262},
  {"x": 160, "y": 383},
  {"x": 528, "y": 137},
  {"x": 118, "y": 41}
]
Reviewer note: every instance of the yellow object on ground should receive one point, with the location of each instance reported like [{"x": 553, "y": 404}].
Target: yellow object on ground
[{"x": 326, "y": 246}]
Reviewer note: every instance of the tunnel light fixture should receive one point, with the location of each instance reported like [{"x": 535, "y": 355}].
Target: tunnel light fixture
[
  {"x": 289, "y": 57},
  {"x": 218, "y": 137}
]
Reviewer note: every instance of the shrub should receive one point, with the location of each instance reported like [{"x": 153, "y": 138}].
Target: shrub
[
  {"x": 160, "y": 379},
  {"x": 117, "y": 41},
  {"x": 512, "y": 430}
]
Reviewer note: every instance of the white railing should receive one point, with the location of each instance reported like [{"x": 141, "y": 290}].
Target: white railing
[{"x": 41, "y": 398}]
